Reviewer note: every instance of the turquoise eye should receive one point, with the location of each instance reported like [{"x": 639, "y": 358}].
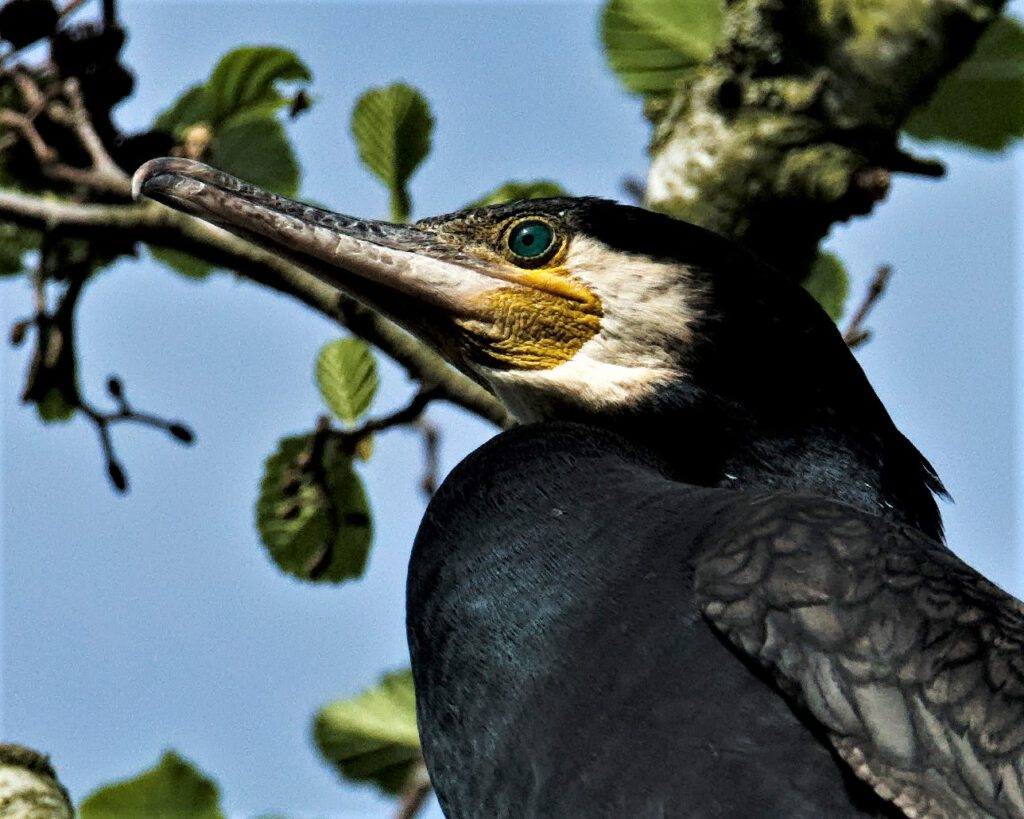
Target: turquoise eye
[{"x": 531, "y": 240}]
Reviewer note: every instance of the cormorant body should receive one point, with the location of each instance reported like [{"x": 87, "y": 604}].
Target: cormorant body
[
  {"x": 706, "y": 579},
  {"x": 590, "y": 637},
  {"x": 631, "y": 708}
]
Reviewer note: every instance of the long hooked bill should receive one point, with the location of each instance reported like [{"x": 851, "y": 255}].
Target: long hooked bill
[{"x": 349, "y": 253}]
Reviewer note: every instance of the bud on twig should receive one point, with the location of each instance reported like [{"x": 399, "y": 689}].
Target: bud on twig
[
  {"x": 181, "y": 432},
  {"x": 117, "y": 476}
]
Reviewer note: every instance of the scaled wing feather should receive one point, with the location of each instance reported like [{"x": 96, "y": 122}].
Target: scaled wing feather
[{"x": 911, "y": 660}]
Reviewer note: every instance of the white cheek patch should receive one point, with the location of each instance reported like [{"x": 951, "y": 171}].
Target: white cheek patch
[
  {"x": 649, "y": 318},
  {"x": 648, "y": 304}
]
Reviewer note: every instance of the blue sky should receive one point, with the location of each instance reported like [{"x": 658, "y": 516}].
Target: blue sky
[{"x": 135, "y": 623}]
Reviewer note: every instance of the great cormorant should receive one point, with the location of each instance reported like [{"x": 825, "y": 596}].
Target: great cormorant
[{"x": 706, "y": 578}]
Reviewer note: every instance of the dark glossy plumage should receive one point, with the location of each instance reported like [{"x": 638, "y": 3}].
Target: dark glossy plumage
[
  {"x": 773, "y": 397},
  {"x": 725, "y": 595},
  {"x": 591, "y": 638}
]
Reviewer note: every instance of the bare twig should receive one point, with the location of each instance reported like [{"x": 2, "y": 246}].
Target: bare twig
[
  {"x": 124, "y": 412},
  {"x": 431, "y": 461},
  {"x": 71, "y": 8},
  {"x": 163, "y": 227},
  {"x": 24, "y": 125},
  {"x": 408, "y": 414},
  {"x": 415, "y": 795},
  {"x": 855, "y": 334},
  {"x": 109, "y": 13},
  {"x": 53, "y": 367},
  {"x": 104, "y": 174}
]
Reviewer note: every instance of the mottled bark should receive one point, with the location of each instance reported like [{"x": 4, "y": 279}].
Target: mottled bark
[
  {"x": 794, "y": 123},
  {"x": 29, "y": 788}
]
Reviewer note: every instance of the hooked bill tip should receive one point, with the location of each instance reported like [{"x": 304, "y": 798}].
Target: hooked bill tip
[{"x": 163, "y": 173}]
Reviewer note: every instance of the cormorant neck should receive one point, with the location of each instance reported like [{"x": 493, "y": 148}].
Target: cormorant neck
[{"x": 852, "y": 454}]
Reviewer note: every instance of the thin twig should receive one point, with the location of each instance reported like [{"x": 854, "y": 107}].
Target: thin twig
[
  {"x": 406, "y": 415},
  {"x": 109, "y": 13},
  {"x": 415, "y": 794},
  {"x": 431, "y": 453},
  {"x": 27, "y": 128},
  {"x": 103, "y": 174},
  {"x": 855, "y": 334}
]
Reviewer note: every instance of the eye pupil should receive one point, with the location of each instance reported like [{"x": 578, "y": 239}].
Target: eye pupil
[{"x": 531, "y": 239}]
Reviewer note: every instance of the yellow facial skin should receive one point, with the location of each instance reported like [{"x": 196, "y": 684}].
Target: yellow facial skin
[{"x": 541, "y": 320}]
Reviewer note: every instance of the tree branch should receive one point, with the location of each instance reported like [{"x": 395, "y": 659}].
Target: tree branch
[
  {"x": 794, "y": 123},
  {"x": 29, "y": 786},
  {"x": 104, "y": 174},
  {"x": 162, "y": 227}
]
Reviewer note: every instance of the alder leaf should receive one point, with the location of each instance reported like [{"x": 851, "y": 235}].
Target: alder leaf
[
  {"x": 173, "y": 789},
  {"x": 650, "y": 44},
  {"x": 392, "y": 127},
  {"x": 980, "y": 104},
  {"x": 312, "y": 513},
  {"x": 247, "y": 78},
  {"x": 15, "y": 242},
  {"x": 829, "y": 283},
  {"x": 373, "y": 737},
  {"x": 346, "y": 373},
  {"x": 254, "y": 146},
  {"x": 236, "y": 110},
  {"x": 516, "y": 191},
  {"x": 244, "y": 81}
]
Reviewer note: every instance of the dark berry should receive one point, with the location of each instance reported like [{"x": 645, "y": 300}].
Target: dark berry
[
  {"x": 18, "y": 331},
  {"x": 81, "y": 48},
  {"x": 22, "y": 22}
]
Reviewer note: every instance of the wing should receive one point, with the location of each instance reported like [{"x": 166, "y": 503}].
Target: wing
[{"x": 911, "y": 660}]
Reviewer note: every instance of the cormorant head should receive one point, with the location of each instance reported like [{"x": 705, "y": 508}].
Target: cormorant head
[
  {"x": 552, "y": 304},
  {"x": 583, "y": 309}
]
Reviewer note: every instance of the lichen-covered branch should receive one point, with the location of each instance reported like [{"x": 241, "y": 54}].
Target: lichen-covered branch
[
  {"x": 162, "y": 227},
  {"x": 794, "y": 123},
  {"x": 29, "y": 788}
]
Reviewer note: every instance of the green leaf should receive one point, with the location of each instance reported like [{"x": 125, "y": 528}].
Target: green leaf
[
  {"x": 174, "y": 789},
  {"x": 194, "y": 106},
  {"x": 15, "y": 242},
  {"x": 52, "y": 381},
  {"x": 188, "y": 266},
  {"x": 244, "y": 81},
  {"x": 373, "y": 737},
  {"x": 392, "y": 127},
  {"x": 981, "y": 104},
  {"x": 829, "y": 283},
  {"x": 515, "y": 191},
  {"x": 346, "y": 374},
  {"x": 247, "y": 77},
  {"x": 312, "y": 513},
  {"x": 254, "y": 146},
  {"x": 239, "y": 104},
  {"x": 650, "y": 44},
  {"x": 53, "y": 407}
]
